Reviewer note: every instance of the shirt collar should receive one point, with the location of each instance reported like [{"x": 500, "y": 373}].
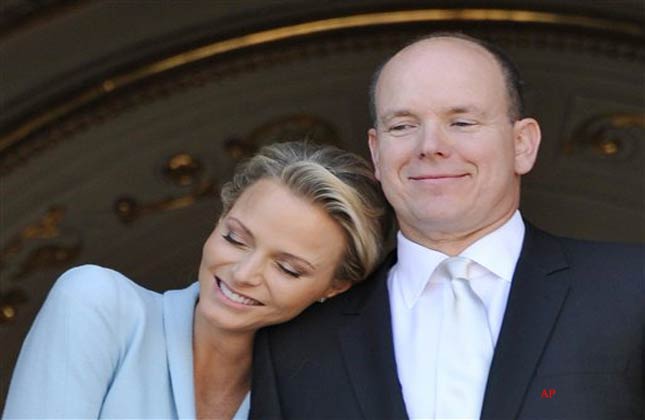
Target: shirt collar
[
  {"x": 415, "y": 263},
  {"x": 498, "y": 252}
]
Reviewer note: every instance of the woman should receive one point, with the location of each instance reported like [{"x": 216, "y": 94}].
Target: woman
[{"x": 300, "y": 223}]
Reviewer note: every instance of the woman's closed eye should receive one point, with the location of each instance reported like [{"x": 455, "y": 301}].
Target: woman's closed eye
[
  {"x": 232, "y": 238},
  {"x": 287, "y": 269}
]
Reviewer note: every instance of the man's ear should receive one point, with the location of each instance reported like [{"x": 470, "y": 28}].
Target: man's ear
[
  {"x": 526, "y": 136},
  {"x": 372, "y": 141}
]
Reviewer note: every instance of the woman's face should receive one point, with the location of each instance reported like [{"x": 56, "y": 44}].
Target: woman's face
[{"x": 269, "y": 258}]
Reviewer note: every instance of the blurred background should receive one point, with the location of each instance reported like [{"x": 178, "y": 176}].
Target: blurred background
[{"x": 120, "y": 119}]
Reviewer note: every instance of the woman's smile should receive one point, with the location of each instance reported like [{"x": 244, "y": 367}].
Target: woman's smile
[{"x": 233, "y": 296}]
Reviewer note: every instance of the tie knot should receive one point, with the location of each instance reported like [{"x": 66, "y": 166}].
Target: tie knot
[{"x": 458, "y": 267}]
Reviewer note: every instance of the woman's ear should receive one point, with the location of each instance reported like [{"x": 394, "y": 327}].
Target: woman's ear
[
  {"x": 526, "y": 137},
  {"x": 337, "y": 287}
]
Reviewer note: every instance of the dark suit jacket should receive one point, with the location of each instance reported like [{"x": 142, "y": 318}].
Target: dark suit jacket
[{"x": 571, "y": 344}]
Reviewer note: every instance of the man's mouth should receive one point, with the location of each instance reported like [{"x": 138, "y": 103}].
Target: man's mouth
[{"x": 437, "y": 177}]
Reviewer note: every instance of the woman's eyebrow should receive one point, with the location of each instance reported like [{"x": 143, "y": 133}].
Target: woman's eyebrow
[
  {"x": 286, "y": 255},
  {"x": 241, "y": 225}
]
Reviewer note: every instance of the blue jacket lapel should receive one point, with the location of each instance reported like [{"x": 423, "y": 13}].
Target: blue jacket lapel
[{"x": 178, "y": 313}]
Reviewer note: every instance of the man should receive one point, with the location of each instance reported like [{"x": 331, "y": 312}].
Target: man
[{"x": 534, "y": 326}]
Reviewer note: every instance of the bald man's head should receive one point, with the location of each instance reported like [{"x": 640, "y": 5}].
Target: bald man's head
[{"x": 509, "y": 71}]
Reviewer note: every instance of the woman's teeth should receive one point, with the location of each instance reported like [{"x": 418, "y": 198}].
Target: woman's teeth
[{"x": 235, "y": 297}]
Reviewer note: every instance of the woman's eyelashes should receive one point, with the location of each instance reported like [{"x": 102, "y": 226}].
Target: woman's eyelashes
[
  {"x": 289, "y": 271},
  {"x": 235, "y": 240},
  {"x": 232, "y": 238}
]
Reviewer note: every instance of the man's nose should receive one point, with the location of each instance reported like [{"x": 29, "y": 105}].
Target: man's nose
[{"x": 432, "y": 141}]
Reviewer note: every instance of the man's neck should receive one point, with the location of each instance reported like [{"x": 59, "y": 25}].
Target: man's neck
[{"x": 453, "y": 243}]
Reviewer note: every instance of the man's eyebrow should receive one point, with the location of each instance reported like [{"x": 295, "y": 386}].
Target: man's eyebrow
[
  {"x": 396, "y": 113},
  {"x": 465, "y": 109},
  {"x": 453, "y": 110}
]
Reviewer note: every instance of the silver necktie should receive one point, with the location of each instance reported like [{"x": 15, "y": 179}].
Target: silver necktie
[{"x": 465, "y": 348}]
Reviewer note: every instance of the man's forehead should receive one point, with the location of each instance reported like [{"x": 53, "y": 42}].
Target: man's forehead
[
  {"x": 437, "y": 57},
  {"x": 441, "y": 47}
]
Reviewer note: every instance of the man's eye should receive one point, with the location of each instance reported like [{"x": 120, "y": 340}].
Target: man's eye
[
  {"x": 231, "y": 238},
  {"x": 288, "y": 271},
  {"x": 463, "y": 123},
  {"x": 397, "y": 128}
]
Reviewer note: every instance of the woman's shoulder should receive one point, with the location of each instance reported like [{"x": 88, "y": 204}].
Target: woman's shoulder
[
  {"x": 92, "y": 279},
  {"x": 98, "y": 287}
]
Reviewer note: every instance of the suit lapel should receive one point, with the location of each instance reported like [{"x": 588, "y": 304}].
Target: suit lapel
[
  {"x": 539, "y": 289},
  {"x": 368, "y": 352}
]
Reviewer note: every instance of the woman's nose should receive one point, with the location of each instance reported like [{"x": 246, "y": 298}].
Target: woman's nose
[{"x": 248, "y": 270}]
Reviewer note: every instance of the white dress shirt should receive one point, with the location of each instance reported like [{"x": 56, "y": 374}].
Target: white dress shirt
[{"x": 418, "y": 295}]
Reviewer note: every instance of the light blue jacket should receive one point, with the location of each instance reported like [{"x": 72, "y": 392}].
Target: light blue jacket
[{"x": 104, "y": 347}]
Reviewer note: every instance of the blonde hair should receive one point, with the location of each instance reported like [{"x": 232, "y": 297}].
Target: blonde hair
[{"x": 340, "y": 182}]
